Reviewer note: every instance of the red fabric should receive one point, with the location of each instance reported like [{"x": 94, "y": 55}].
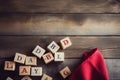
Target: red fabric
[{"x": 92, "y": 67}]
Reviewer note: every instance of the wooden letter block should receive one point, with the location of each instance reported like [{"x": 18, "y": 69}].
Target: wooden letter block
[
  {"x": 65, "y": 72},
  {"x": 9, "y": 65},
  {"x": 20, "y": 58},
  {"x": 48, "y": 57},
  {"x": 46, "y": 77},
  {"x": 24, "y": 70},
  {"x": 31, "y": 60},
  {"x": 59, "y": 56},
  {"x": 9, "y": 78},
  {"x": 38, "y": 51},
  {"x": 36, "y": 71},
  {"x": 66, "y": 42},
  {"x": 26, "y": 78},
  {"x": 53, "y": 47}
]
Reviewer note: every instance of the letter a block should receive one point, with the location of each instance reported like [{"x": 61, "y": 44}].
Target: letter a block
[
  {"x": 66, "y": 42},
  {"x": 9, "y": 65},
  {"x": 31, "y": 60},
  {"x": 20, "y": 58},
  {"x": 8, "y": 78},
  {"x": 38, "y": 51},
  {"x": 46, "y": 77},
  {"x": 59, "y": 56},
  {"x": 36, "y": 71},
  {"x": 48, "y": 58},
  {"x": 65, "y": 72},
  {"x": 53, "y": 47},
  {"x": 24, "y": 70},
  {"x": 26, "y": 78}
]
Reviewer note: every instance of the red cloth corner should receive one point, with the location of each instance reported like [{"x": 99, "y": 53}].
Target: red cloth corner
[{"x": 92, "y": 67}]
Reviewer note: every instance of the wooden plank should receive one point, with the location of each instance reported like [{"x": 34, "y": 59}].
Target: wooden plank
[
  {"x": 60, "y": 24},
  {"x": 60, "y": 6},
  {"x": 109, "y": 45},
  {"x": 113, "y": 69}
]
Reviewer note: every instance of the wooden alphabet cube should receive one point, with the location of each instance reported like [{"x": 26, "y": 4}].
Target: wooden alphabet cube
[
  {"x": 31, "y": 60},
  {"x": 46, "y": 77},
  {"x": 36, "y": 71},
  {"x": 53, "y": 47},
  {"x": 20, "y": 58},
  {"x": 38, "y": 51},
  {"x": 65, "y": 72},
  {"x": 26, "y": 78},
  {"x": 59, "y": 56},
  {"x": 66, "y": 42},
  {"x": 24, "y": 70},
  {"x": 48, "y": 57},
  {"x": 9, "y": 78},
  {"x": 9, "y": 65}
]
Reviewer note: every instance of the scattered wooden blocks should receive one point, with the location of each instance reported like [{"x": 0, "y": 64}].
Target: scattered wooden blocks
[
  {"x": 36, "y": 71},
  {"x": 65, "y": 72},
  {"x": 38, "y": 51},
  {"x": 66, "y": 42},
  {"x": 53, "y": 47},
  {"x": 24, "y": 70},
  {"x": 31, "y": 60},
  {"x": 59, "y": 56},
  {"x": 48, "y": 57},
  {"x": 26, "y": 78},
  {"x": 20, "y": 58},
  {"x": 46, "y": 77},
  {"x": 9, "y": 78},
  {"x": 9, "y": 65}
]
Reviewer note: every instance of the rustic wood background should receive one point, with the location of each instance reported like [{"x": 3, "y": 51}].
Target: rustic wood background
[{"x": 89, "y": 24}]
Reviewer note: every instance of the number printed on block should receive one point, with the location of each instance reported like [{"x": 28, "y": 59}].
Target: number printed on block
[
  {"x": 46, "y": 77},
  {"x": 9, "y": 65},
  {"x": 20, "y": 58},
  {"x": 38, "y": 51},
  {"x": 59, "y": 56},
  {"x": 31, "y": 60},
  {"x": 24, "y": 70},
  {"x": 36, "y": 71},
  {"x": 53, "y": 47},
  {"x": 9, "y": 78},
  {"x": 26, "y": 78},
  {"x": 65, "y": 72},
  {"x": 66, "y": 42},
  {"x": 48, "y": 57}
]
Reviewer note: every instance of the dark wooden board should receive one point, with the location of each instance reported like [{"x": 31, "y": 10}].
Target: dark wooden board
[
  {"x": 60, "y": 6},
  {"x": 53, "y": 69},
  {"x": 109, "y": 45},
  {"x": 60, "y": 24}
]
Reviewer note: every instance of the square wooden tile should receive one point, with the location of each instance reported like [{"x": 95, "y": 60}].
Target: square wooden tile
[
  {"x": 48, "y": 57},
  {"x": 24, "y": 70},
  {"x": 59, "y": 56},
  {"x": 20, "y": 58},
  {"x": 9, "y": 65},
  {"x": 31, "y": 60},
  {"x": 36, "y": 71},
  {"x": 46, "y": 77}
]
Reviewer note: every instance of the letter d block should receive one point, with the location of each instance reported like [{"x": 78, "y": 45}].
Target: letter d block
[
  {"x": 38, "y": 51},
  {"x": 9, "y": 65},
  {"x": 46, "y": 77},
  {"x": 20, "y": 58},
  {"x": 24, "y": 70},
  {"x": 48, "y": 58},
  {"x": 65, "y": 72},
  {"x": 66, "y": 42}
]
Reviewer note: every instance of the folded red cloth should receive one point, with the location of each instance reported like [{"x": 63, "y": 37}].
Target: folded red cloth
[{"x": 92, "y": 67}]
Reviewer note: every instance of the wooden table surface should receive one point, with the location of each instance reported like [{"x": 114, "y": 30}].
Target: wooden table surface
[{"x": 89, "y": 24}]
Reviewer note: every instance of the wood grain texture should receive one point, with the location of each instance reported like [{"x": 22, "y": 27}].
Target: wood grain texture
[
  {"x": 109, "y": 45},
  {"x": 60, "y": 6},
  {"x": 60, "y": 24},
  {"x": 53, "y": 69}
]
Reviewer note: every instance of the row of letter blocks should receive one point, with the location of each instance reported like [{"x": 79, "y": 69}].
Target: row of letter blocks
[{"x": 40, "y": 53}]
